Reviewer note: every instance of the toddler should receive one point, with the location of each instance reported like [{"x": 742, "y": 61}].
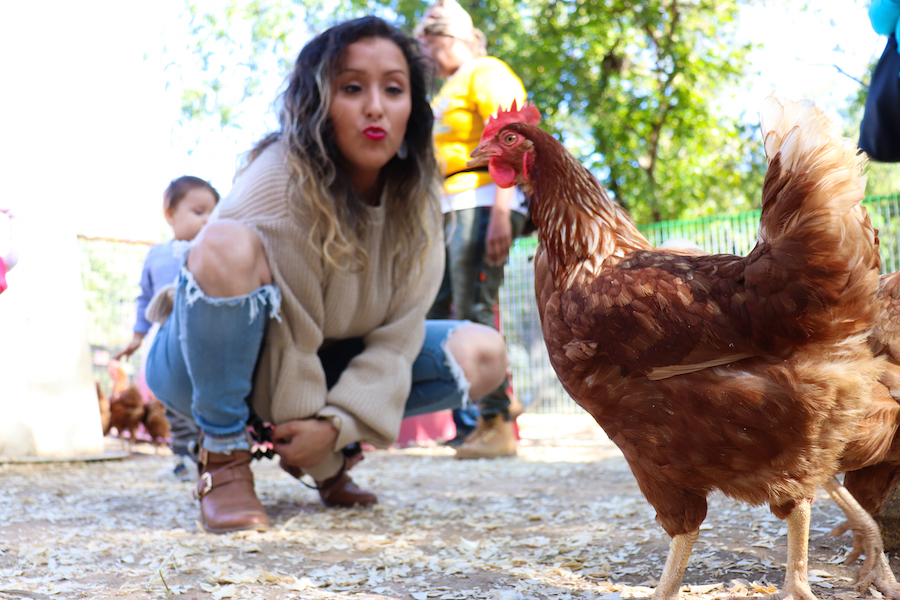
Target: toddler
[{"x": 188, "y": 203}]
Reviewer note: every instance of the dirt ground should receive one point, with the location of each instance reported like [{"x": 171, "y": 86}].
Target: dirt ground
[{"x": 563, "y": 520}]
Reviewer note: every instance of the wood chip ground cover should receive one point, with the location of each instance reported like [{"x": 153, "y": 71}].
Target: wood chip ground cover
[{"x": 561, "y": 521}]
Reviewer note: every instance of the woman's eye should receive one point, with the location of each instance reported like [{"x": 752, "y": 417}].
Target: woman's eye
[
  {"x": 395, "y": 90},
  {"x": 352, "y": 88}
]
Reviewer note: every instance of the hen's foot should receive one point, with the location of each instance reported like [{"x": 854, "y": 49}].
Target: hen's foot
[
  {"x": 796, "y": 578},
  {"x": 798, "y": 591},
  {"x": 669, "y": 586},
  {"x": 856, "y": 552},
  {"x": 875, "y": 569},
  {"x": 881, "y": 577}
]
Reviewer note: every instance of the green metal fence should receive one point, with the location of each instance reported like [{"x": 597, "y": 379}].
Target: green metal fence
[{"x": 111, "y": 270}]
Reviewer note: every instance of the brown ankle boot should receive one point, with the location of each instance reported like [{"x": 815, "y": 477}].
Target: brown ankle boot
[
  {"x": 492, "y": 437},
  {"x": 341, "y": 491},
  {"x": 228, "y": 501}
]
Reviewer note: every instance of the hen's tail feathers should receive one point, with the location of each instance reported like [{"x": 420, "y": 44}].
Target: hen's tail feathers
[{"x": 814, "y": 231}]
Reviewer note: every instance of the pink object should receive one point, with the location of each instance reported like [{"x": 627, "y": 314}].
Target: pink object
[
  {"x": 142, "y": 387},
  {"x": 426, "y": 429}
]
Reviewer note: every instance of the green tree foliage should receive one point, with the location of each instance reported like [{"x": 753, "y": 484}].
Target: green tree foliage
[
  {"x": 111, "y": 272},
  {"x": 630, "y": 87}
]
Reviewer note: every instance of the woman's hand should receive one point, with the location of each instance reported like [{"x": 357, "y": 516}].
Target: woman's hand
[{"x": 304, "y": 443}]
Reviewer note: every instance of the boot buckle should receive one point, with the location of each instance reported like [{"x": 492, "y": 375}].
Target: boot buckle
[{"x": 206, "y": 485}]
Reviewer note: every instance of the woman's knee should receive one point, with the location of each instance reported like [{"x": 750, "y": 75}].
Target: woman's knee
[
  {"x": 228, "y": 260},
  {"x": 481, "y": 353}
]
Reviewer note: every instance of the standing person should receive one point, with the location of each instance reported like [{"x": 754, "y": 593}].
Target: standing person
[
  {"x": 879, "y": 131},
  {"x": 188, "y": 203},
  {"x": 481, "y": 219},
  {"x": 8, "y": 255},
  {"x": 308, "y": 292}
]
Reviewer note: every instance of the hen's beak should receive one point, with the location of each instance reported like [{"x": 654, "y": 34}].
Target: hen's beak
[{"x": 480, "y": 156}]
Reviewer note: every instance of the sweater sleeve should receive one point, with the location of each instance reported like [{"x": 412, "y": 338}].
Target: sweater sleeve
[
  {"x": 141, "y": 324},
  {"x": 370, "y": 397},
  {"x": 290, "y": 382},
  {"x": 884, "y": 16}
]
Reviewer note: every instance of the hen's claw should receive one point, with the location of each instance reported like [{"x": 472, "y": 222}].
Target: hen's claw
[
  {"x": 875, "y": 569},
  {"x": 856, "y": 552},
  {"x": 796, "y": 594},
  {"x": 884, "y": 580}
]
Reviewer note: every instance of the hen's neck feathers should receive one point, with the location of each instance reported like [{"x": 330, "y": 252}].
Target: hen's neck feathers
[{"x": 578, "y": 224}]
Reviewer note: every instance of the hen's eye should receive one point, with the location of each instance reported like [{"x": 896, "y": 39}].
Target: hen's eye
[{"x": 509, "y": 138}]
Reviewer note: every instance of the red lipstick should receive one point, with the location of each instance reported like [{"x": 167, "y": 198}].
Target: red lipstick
[{"x": 375, "y": 133}]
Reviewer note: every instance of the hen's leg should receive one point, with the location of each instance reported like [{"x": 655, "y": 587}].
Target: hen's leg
[
  {"x": 796, "y": 578},
  {"x": 679, "y": 552},
  {"x": 875, "y": 569}
]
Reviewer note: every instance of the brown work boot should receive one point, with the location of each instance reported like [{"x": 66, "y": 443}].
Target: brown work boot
[
  {"x": 228, "y": 501},
  {"x": 516, "y": 408},
  {"x": 341, "y": 491},
  {"x": 492, "y": 437}
]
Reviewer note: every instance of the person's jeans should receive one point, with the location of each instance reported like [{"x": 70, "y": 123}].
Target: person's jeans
[
  {"x": 438, "y": 382},
  {"x": 202, "y": 362},
  {"x": 471, "y": 287}
]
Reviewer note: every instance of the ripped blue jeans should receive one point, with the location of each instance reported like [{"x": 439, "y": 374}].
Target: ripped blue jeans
[{"x": 202, "y": 361}]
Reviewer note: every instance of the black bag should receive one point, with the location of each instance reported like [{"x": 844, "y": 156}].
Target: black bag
[{"x": 879, "y": 132}]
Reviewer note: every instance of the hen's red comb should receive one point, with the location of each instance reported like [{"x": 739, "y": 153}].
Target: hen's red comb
[{"x": 527, "y": 114}]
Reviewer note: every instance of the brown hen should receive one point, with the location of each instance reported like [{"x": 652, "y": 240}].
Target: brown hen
[
  {"x": 156, "y": 423},
  {"x": 747, "y": 375},
  {"x": 872, "y": 458},
  {"x": 126, "y": 405}
]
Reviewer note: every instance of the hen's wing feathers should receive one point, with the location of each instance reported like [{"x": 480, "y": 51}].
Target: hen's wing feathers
[
  {"x": 663, "y": 314},
  {"x": 885, "y": 337},
  {"x": 808, "y": 280}
]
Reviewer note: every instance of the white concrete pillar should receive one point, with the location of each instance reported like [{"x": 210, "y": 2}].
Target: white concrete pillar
[{"x": 48, "y": 400}]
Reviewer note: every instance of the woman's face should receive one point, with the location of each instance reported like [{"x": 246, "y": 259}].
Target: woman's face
[
  {"x": 448, "y": 53},
  {"x": 370, "y": 107}
]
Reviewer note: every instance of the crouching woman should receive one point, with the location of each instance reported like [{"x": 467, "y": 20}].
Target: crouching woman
[{"x": 307, "y": 293}]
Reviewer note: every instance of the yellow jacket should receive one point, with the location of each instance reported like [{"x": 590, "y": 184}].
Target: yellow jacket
[{"x": 476, "y": 91}]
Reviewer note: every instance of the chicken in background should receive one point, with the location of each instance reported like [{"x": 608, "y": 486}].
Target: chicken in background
[
  {"x": 872, "y": 459},
  {"x": 156, "y": 423},
  {"x": 125, "y": 404},
  {"x": 103, "y": 404},
  {"x": 747, "y": 375}
]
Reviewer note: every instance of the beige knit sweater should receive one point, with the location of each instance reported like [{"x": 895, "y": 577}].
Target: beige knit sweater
[{"x": 321, "y": 304}]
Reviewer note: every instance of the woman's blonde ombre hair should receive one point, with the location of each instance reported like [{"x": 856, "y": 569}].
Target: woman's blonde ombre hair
[{"x": 411, "y": 186}]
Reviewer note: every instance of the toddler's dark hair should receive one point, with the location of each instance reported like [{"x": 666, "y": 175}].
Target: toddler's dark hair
[{"x": 178, "y": 189}]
